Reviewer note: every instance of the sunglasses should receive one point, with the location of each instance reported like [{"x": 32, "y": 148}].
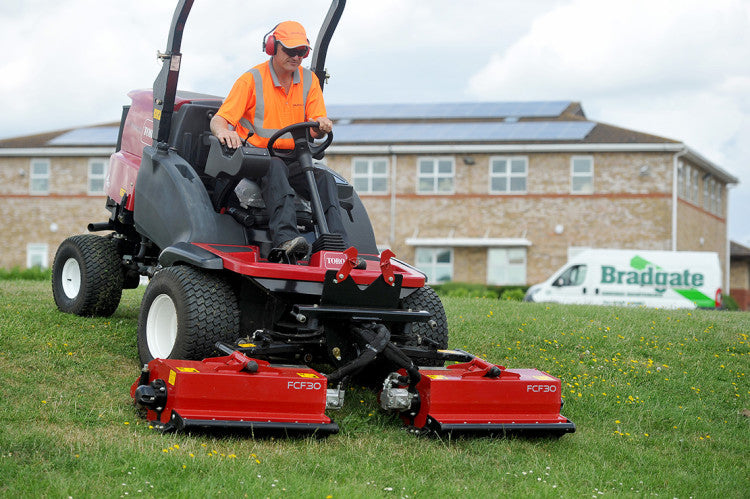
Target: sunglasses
[{"x": 298, "y": 52}]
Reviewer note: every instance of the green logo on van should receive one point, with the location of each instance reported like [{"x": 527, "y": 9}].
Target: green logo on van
[{"x": 648, "y": 274}]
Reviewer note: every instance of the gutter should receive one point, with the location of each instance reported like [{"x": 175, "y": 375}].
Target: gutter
[{"x": 673, "y": 147}]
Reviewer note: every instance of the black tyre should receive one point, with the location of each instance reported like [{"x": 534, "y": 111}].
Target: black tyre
[
  {"x": 436, "y": 331},
  {"x": 87, "y": 276},
  {"x": 184, "y": 312}
]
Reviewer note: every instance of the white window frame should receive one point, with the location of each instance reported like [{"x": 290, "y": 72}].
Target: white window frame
[
  {"x": 681, "y": 175},
  {"x": 430, "y": 269},
  {"x": 36, "y": 177},
  {"x": 37, "y": 251},
  {"x": 370, "y": 175},
  {"x": 575, "y": 175},
  {"x": 509, "y": 174},
  {"x": 436, "y": 176},
  {"x": 695, "y": 186},
  {"x": 96, "y": 177},
  {"x": 716, "y": 196},
  {"x": 510, "y": 267}
]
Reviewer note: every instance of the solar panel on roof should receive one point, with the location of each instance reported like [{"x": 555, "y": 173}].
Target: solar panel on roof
[
  {"x": 93, "y": 136},
  {"x": 462, "y": 132},
  {"x": 535, "y": 109}
]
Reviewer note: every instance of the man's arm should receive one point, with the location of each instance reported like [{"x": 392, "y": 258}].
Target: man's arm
[{"x": 220, "y": 128}]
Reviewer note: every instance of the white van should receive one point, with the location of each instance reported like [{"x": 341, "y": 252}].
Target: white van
[{"x": 663, "y": 279}]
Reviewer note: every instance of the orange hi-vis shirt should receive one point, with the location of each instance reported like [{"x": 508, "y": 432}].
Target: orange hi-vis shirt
[{"x": 259, "y": 103}]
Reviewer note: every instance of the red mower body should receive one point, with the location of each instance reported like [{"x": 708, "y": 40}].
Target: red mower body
[
  {"x": 462, "y": 397},
  {"x": 234, "y": 392}
]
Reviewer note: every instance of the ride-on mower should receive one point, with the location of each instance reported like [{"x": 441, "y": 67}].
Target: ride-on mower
[{"x": 230, "y": 326}]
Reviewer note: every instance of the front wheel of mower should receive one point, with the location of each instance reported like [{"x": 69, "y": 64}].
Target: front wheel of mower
[
  {"x": 184, "y": 312},
  {"x": 436, "y": 331},
  {"x": 87, "y": 276}
]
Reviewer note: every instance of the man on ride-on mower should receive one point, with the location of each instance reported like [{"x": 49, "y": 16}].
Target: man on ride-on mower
[{"x": 270, "y": 96}]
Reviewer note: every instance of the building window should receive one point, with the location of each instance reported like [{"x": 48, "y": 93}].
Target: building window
[
  {"x": 506, "y": 266},
  {"x": 718, "y": 208},
  {"x": 39, "y": 178},
  {"x": 582, "y": 175},
  {"x": 97, "y": 173},
  {"x": 370, "y": 175},
  {"x": 681, "y": 180},
  {"x": 435, "y": 175},
  {"x": 436, "y": 263},
  {"x": 687, "y": 179},
  {"x": 36, "y": 256},
  {"x": 695, "y": 187},
  {"x": 508, "y": 175}
]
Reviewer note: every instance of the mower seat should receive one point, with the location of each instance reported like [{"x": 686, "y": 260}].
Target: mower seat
[{"x": 190, "y": 132}]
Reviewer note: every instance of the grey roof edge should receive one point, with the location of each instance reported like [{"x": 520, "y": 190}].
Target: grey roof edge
[{"x": 695, "y": 157}]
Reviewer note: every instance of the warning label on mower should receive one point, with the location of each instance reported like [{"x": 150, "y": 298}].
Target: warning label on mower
[{"x": 308, "y": 375}]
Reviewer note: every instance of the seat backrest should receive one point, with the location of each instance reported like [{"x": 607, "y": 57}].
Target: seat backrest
[{"x": 190, "y": 131}]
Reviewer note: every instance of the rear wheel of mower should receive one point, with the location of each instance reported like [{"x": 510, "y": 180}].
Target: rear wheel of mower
[
  {"x": 87, "y": 276},
  {"x": 184, "y": 312},
  {"x": 427, "y": 299}
]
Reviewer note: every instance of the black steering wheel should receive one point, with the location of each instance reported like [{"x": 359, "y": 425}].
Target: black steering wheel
[{"x": 303, "y": 141}]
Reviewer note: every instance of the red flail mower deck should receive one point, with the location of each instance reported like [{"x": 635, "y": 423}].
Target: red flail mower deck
[
  {"x": 236, "y": 391},
  {"x": 479, "y": 396},
  {"x": 233, "y": 392}
]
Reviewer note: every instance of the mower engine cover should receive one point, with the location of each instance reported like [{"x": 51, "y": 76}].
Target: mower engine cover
[{"x": 233, "y": 391}]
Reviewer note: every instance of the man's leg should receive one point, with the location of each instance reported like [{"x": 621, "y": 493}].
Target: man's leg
[
  {"x": 329, "y": 198},
  {"x": 279, "y": 198}
]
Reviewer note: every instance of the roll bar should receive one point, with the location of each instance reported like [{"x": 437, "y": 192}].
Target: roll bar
[
  {"x": 165, "y": 84},
  {"x": 318, "y": 64}
]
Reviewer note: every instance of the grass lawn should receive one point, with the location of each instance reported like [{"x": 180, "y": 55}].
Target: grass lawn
[{"x": 657, "y": 396}]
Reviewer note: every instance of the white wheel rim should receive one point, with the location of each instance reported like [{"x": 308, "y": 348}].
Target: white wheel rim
[
  {"x": 161, "y": 327},
  {"x": 71, "y": 278}
]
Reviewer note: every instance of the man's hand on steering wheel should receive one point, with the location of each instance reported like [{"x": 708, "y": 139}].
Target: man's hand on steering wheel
[
  {"x": 302, "y": 133},
  {"x": 324, "y": 127}
]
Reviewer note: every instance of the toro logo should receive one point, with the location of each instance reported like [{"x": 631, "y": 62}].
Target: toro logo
[
  {"x": 335, "y": 260},
  {"x": 304, "y": 385},
  {"x": 541, "y": 388},
  {"x": 147, "y": 137}
]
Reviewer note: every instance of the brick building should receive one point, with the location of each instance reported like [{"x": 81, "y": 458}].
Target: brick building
[
  {"x": 498, "y": 193},
  {"x": 739, "y": 286}
]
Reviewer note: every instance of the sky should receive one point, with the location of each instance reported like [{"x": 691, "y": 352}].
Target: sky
[{"x": 675, "y": 68}]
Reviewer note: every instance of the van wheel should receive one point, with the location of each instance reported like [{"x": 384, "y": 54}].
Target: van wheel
[
  {"x": 184, "y": 312},
  {"x": 87, "y": 276}
]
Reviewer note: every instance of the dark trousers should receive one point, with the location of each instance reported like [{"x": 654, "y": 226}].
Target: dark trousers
[{"x": 278, "y": 187}]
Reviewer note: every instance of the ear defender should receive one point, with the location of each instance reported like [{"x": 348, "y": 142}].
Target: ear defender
[{"x": 269, "y": 42}]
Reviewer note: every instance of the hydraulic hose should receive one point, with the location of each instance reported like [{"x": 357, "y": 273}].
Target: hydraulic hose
[
  {"x": 376, "y": 343},
  {"x": 395, "y": 355}
]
